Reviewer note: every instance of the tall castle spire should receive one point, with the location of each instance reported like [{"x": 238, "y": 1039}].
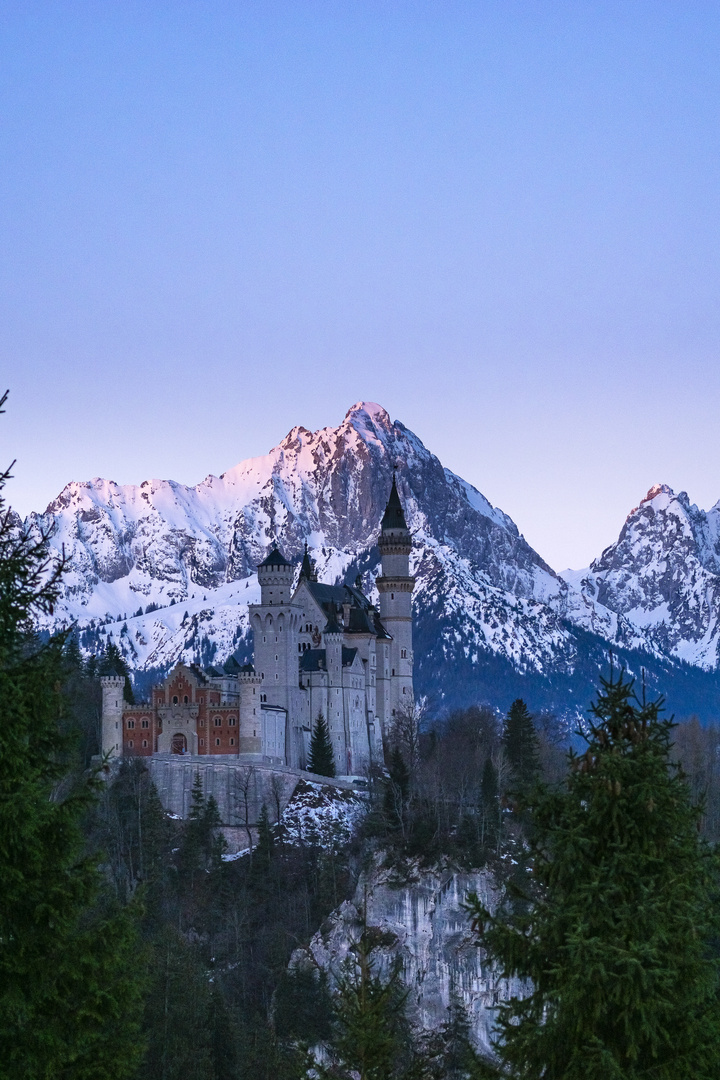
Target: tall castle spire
[{"x": 395, "y": 586}]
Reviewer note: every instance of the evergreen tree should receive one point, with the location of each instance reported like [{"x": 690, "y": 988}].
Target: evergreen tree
[
  {"x": 617, "y": 938},
  {"x": 266, "y": 843},
  {"x": 397, "y": 790},
  {"x": 370, "y": 1034},
  {"x": 521, "y": 745},
  {"x": 113, "y": 663},
  {"x": 70, "y": 969},
  {"x": 322, "y": 761},
  {"x": 490, "y": 805}
]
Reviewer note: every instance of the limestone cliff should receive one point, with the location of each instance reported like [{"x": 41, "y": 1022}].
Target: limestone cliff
[{"x": 424, "y": 922}]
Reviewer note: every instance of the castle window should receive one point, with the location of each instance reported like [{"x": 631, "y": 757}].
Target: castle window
[
  {"x": 217, "y": 742},
  {"x": 175, "y": 699},
  {"x": 393, "y": 671},
  {"x": 231, "y": 721},
  {"x": 131, "y": 723},
  {"x": 130, "y": 742},
  {"x": 144, "y": 723},
  {"x": 403, "y": 654},
  {"x": 276, "y": 676},
  {"x": 186, "y": 699},
  {"x": 202, "y": 700},
  {"x": 144, "y": 742},
  {"x": 202, "y": 742},
  {"x": 202, "y": 723},
  {"x": 232, "y": 742},
  {"x": 254, "y": 733},
  {"x": 392, "y": 595},
  {"x": 218, "y": 721},
  {"x": 404, "y": 689}
]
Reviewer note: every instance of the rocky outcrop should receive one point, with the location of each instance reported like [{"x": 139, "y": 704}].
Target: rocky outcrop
[{"x": 424, "y": 922}]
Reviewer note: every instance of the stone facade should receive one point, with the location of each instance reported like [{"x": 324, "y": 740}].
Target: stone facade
[{"x": 318, "y": 650}]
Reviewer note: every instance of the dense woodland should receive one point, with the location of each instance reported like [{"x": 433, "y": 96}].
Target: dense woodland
[
  {"x": 215, "y": 937},
  {"x": 131, "y": 948}
]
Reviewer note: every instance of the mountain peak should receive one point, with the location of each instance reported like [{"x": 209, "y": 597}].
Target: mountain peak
[
  {"x": 658, "y": 489},
  {"x": 368, "y": 412}
]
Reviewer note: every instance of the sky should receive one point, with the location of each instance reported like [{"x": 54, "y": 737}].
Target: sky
[{"x": 500, "y": 220}]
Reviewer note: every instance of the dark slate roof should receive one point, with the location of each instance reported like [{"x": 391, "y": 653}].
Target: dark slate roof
[
  {"x": 248, "y": 669},
  {"x": 307, "y": 570},
  {"x": 214, "y": 673},
  {"x": 313, "y": 660},
  {"x": 333, "y": 625},
  {"x": 363, "y": 617},
  {"x": 275, "y": 558},
  {"x": 394, "y": 516}
]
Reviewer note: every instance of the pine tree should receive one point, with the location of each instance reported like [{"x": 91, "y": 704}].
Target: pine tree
[
  {"x": 521, "y": 745},
  {"x": 490, "y": 805},
  {"x": 70, "y": 968},
  {"x": 321, "y": 761},
  {"x": 113, "y": 663},
  {"x": 265, "y": 844},
  {"x": 617, "y": 937},
  {"x": 370, "y": 1034}
]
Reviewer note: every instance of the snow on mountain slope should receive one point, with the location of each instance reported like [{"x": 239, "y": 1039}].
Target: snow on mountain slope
[
  {"x": 662, "y": 577},
  {"x": 188, "y": 554}
]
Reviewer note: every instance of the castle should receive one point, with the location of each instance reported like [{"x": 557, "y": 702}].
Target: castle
[{"x": 318, "y": 650}]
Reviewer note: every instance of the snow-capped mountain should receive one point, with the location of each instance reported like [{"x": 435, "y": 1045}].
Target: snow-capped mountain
[
  {"x": 167, "y": 571},
  {"x": 662, "y": 577}
]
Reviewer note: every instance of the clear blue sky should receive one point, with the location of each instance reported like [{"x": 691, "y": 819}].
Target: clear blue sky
[{"x": 500, "y": 220}]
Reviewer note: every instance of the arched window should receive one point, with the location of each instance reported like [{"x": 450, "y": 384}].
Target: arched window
[
  {"x": 217, "y": 742},
  {"x": 175, "y": 699},
  {"x": 130, "y": 743},
  {"x": 144, "y": 723},
  {"x": 186, "y": 700},
  {"x": 218, "y": 721},
  {"x": 131, "y": 723},
  {"x": 144, "y": 742}
]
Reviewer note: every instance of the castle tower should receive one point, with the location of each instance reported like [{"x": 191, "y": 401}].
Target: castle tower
[
  {"x": 333, "y": 640},
  {"x": 275, "y": 577},
  {"x": 113, "y": 687},
  {"x": 250, "y": 719},
  {"x": 395, "y": 586},
  {"x": 275, "y": 623}
]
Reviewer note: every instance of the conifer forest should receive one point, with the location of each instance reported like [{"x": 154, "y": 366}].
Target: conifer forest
[{"x": 132, "y": 947}]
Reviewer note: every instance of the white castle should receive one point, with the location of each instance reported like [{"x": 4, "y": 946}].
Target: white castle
[{"x": 319, "y": 650}]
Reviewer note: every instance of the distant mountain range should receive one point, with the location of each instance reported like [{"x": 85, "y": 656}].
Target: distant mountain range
[{"x": 167, "y": 571}]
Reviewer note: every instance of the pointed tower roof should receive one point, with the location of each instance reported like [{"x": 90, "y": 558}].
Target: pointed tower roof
[
  {"x": 307, "y": 570},
  {"x": 275, "y": 558},
  {"x": 394, "y": 516},
  {"x": 332, "y": 626}
]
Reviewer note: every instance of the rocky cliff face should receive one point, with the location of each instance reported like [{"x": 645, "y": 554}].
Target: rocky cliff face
[
  {"x": 662, "y": 576},
  {"x": 425, "y": 924}
]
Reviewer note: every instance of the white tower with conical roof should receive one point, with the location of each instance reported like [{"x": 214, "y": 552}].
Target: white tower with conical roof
[{"x": 395, "y": 586}]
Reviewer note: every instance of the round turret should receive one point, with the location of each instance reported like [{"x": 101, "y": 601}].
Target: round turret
[{"x": 275, "y": 576}]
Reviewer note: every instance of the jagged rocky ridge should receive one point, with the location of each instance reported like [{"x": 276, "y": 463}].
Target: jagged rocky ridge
[{"x": 167, "y": 570}]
